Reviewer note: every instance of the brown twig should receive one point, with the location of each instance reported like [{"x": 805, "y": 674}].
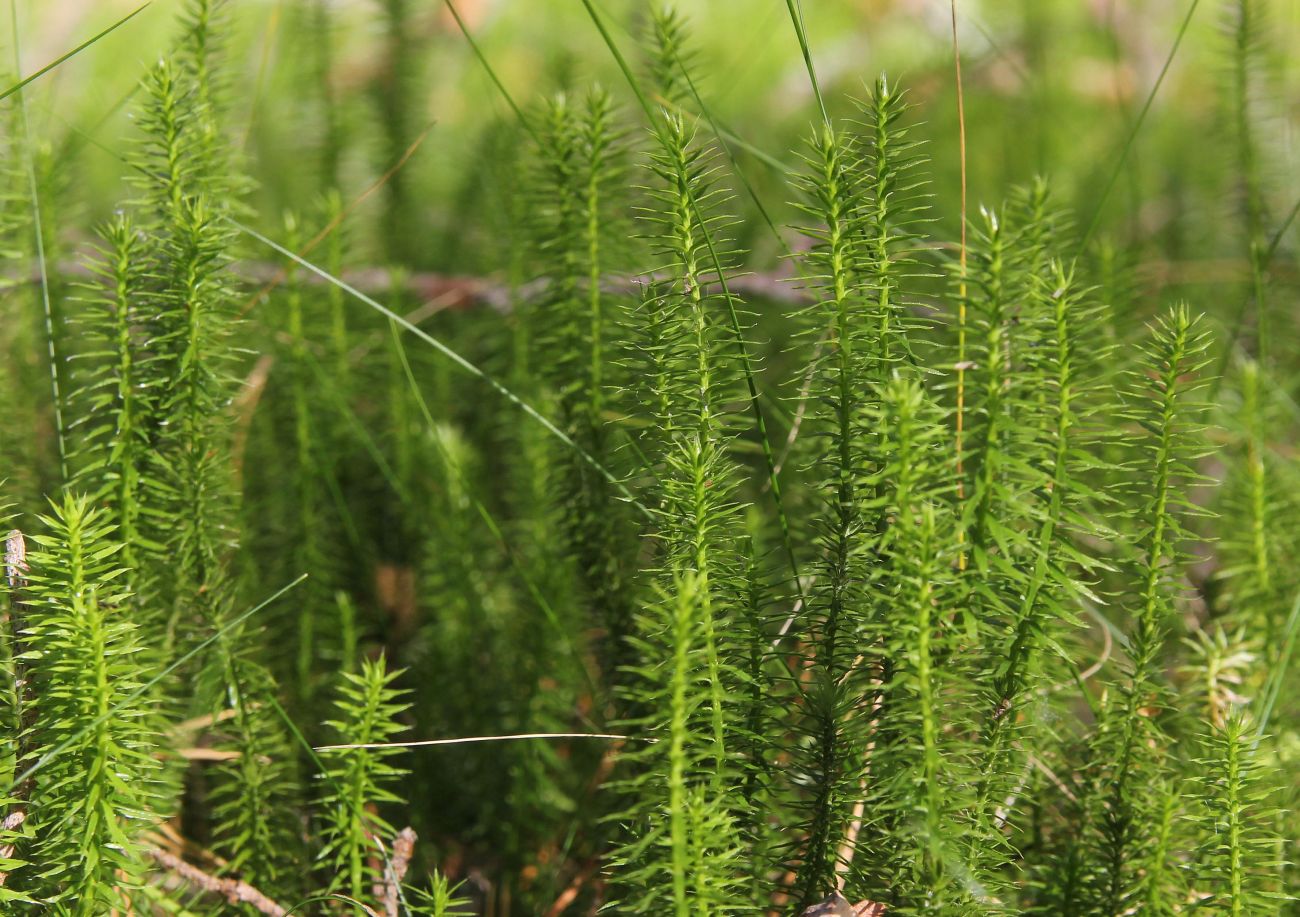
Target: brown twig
[
  {"x": 12, "y": 822},
  {"x": 395, "y": 871},
  {"x": 570, "y": 893},
  {"x": 850, "y": 842},
  {"x": 203, "y": 754},
  {"x": 187, "y": 728},
  {"x": 165, "y": 836},
  {"x": 234, "y": 891},
  {"x": 15, "y": 564},
  {"x": 245, "y": 403},
  {"x": 450, "y": 291}
]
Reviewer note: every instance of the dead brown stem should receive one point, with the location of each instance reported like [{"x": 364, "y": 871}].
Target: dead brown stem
[
  {"x": 15, "y": 570},
  {"x": 12, "y": 822},
  {"x": 234, "y": 891},
  {"x": 395, "y": 871}
]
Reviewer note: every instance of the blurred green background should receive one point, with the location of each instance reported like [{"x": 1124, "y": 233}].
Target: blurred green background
[{"x": 1053, "y": 87}]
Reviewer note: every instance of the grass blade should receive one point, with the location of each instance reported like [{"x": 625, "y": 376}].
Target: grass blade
[
  {"x": 1277, "y": 671},
  {"x": 1137, "y": 127},
  {"x": 38, "y": 227},
  {"x": 148, "y": 686},
  {"x": 16, "y": 87},
  {"x": 751, "y": 383},
  {"x": 451, "y": 355}
]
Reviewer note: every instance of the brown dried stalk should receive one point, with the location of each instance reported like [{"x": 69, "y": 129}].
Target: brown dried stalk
[
  {"x": 838, "y": 906},
  {"x": 15, "y": 559},
  {"x": 233, "y": 890},
  {"x": 451, "y": 291},
  {"x": 570, "y": 894},
  {"x": 395, "y": 872},
  {"x": 15, "y": 564},
  {"x": 12, "y": 822}
]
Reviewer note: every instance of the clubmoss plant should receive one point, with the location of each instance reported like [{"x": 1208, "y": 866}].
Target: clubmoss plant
[
  {"x": 1138, "y": 768},
  {"x": 360, "y": 779},
  {"x": 87, "y": 665},
  {"x": 715, "y": 582},
  {"x": 113, "y": 401}
]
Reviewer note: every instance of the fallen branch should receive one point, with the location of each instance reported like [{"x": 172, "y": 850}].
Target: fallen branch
[
  {"x": 450, "y": 291},
  {"x": 233, "y": 890}
]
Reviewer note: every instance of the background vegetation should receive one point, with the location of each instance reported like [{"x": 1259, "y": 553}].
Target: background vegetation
[{"x": 511, "y": 458}]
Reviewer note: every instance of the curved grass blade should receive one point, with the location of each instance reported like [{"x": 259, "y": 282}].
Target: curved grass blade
[
  {"x": 796, "y": 19},
  {"x": 317, "y": 899},
  {"x": 325, "y": 775},
  {"x": 70, "y": 54},
  {"x": 1137, "y": 126},
  {"x": 38, "y": 226},
  {"x": 427, "y": 743},
  {"x": 452, "y": 355},
  {"x": 148, "y": 686},
  {"x": 756, "y": 407},
  {"x": 1277, "y": 671},
  {"x": 492, "y": 74}
]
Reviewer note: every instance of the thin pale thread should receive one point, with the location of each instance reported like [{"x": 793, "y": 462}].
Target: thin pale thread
[{"x": 474, "y": 739}]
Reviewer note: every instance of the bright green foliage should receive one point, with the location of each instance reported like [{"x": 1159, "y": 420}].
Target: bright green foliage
[
  {"x": 680, "y": 856},
  {"x": 358, "y": 779},
  {"x": 894, "y": 198},
  {"x": 840, "y": 605},
  {"x": 1234, "y": 871},
  {"x": 439, "y": 900},
  {"x": 690, "y": 860},
  {"x": 111, "y": 455},
  {"x": 1135, "y": 771},
  {"x": 862, "y": 204},
  {"x": 189, "y": 323},
  {"x": 253, "y": 793},
  {"x": 181, "y": 326},
  {"x": 1053, "y": 579},
  {"x": 576, "y": 221},
  {"x": 1256, "y": 577},
  {"x": 919, "y": 773},
  {"x": 695, "y": 486},
  {"x": 1011, "y": 333},
  {"x": 90, "y": 715}
]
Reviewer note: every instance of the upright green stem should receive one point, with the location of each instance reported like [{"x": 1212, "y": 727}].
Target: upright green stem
[
  {"x": 307, "y": 547},
  {"x": 678, "y": 730},
  {"x": 702, "y": 443},
  {"x": 930, "y": 769},
  {"x": 1248, "y": 169},
  {"x": 1257, "y": 482},
  {"x": 1234, "y": 805}
]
